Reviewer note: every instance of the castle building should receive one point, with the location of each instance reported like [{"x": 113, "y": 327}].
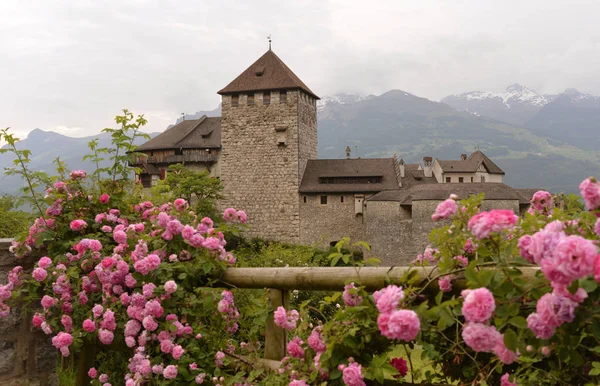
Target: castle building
[{"x": 264, "y": 150}]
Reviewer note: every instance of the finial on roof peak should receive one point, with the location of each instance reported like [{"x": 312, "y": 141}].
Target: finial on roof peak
[{"x": 269, "y": 39}]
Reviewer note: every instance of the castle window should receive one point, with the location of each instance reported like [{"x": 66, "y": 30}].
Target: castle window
[
  {"x": 235, "y": 100},
  {"x": 448, "y": 179},
  {"x": 482, "y": 179},
  {"x": 146, "y": 180},
  {"x": 323, "y": 200},
  {"x": 471, "y": 179},
  {"x": 342, "y": 199},
  {"x": 267, "y": 98},
  {"x": 283, "y": 96},
  {"x": 461, "y": 179},
  {"x": 250, "y": 99},
  {"x": 304, "y": 199},
  {"x": 163, "y": 174}
]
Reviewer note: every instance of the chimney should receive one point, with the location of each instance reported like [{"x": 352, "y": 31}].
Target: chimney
[
  {"x": 463, "y": 157},
  {"x": 401, "y": 167},
  {"x": 348, "y": 150},
  {"x": 428, "y": 166}
]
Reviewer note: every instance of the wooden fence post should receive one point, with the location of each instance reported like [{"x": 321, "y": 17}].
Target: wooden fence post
[{"x": 276, "y": 337}]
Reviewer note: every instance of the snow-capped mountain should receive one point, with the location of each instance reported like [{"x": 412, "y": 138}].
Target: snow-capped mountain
[
  {"x": 515, "y": 105},
  {"x": 326, "y": 103}
]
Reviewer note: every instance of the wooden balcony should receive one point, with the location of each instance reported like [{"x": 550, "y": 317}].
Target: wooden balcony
[{"x": 199, "y": 157}]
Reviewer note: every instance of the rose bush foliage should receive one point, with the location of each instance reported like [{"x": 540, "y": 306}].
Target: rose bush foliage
[{"x": 496, "y": 299}]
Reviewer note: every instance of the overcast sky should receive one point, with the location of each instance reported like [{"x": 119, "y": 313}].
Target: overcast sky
[{"x": 70, "y": 66}]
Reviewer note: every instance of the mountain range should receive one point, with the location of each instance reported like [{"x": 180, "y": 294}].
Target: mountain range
[{"x": 540, "y": 141}]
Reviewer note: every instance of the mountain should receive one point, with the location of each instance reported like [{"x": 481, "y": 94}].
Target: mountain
[
  {"x": 45, "y": 147},
  {"x": 571, "y": 116},
  {"x": 397, "y": 122},
  {"x": 413, "y": 127},
  {"x": 516, "y": 105}
]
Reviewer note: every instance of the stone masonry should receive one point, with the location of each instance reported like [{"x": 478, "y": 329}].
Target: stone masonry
[{"x": 264, "y": 151}]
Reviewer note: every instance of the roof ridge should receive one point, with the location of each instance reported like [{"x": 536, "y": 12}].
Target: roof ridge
[{"x": 200, "y": 120}]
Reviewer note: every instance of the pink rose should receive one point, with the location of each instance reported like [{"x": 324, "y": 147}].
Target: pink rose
[
  {"x": 104, "y": 198},
  {"x": 400, "y": 324},
  {"x": 294, "y": 348},
  {"x": 170, "y": 372},
  {"x": 445, "y": 210},
  {"x": 78, "y": 225},
  {"x": 388, "y": 298},
  {"x": 92, "y": 373},
  {"x": 39, "y": 274},
  {"x": 351, "y": 375},
  {"x": 590, "y": 191},
  {"x": 478, "y": 305},
  {"x": 350, "y": 295},
  {"x": 316, "y": 341},
  {"x": 286, "y": 320},
  {"x": 89, "y": 325},
  {"x": 479, "y": 337},
  {"x": 170, "y": 287},
  {"x": 505, "y": 381},
  {"x": 45, "y": 262}
]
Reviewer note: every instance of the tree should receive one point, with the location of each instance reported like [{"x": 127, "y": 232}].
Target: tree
[
  {"x": 200, "y": 189},
  {"x": 12, "y": 222}
]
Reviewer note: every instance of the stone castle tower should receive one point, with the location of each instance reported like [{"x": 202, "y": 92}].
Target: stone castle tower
[{"x": 268, "y": 133}]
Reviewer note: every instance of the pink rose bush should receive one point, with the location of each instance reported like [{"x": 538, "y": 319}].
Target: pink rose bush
[{"x": 113, "y": 283}]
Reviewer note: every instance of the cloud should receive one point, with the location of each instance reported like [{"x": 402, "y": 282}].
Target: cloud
[{"x": 75, "y": 65}]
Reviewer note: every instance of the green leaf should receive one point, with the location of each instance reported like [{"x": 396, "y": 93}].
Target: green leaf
[
  {"x": 518, "y": 321},
  {"x": 510, "y": 339}
]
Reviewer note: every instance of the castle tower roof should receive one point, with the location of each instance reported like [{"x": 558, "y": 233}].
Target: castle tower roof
[{"x": 269, "y": 72}]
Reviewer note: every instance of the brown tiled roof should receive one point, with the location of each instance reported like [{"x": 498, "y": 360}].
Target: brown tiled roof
[
  {"x": 359, "y": 167},
  {"x": 527, "y": 192},
  {"x": 439, "y": 192},
  {"x": 203, "y": 133},
  {"x": 470, "y": 165},
  {"x": 267, "y": 73},
  {"x": 414, "y": 176}
]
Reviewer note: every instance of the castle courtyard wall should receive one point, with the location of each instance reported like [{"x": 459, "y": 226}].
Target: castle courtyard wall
[{"x": 321, "y": 225}]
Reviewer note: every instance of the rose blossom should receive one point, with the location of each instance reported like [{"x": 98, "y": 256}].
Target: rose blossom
[
  {"x": 39, "y": 274},
  {"x": 484, "y": 223},
  {"x": 350, "y": 296},
  {"x": 44, "y": 262},
  {"x": 294, "y": 348},
  {"x": 400, "y": 365},
  {"x": 351, "y": 374},
  {"x": 387, "y": 299},
  {"x": 92, "y": 373},
  {"x": 504, "y": 381},
  {"x": 104, "y": 198},
  {"x": 445, "y": 283},
  {"x": 170, "y": 287},
  {"x": 78, "y": 225},
  {"x": 316, "y": 341},
  {"x": 478, "y": 305},
  {"x": 590, "y": 191},
  {"x": 401, "y": 324},
  {"x": 286, "y": 320},
  {"x": 445, "y": 210},
  {"x": 170, "y": 372},
  {"x": 479, "y": 337}
]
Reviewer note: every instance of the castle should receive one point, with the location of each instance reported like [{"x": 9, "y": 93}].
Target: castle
[{"x": 264, "y": 150}]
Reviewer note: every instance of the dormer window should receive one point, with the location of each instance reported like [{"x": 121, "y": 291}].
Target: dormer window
[
  {"x": 266, "y": 98},
  {"x": 250, "y": 99},
  {"x": 283, "y": 96},
  {"x": 259, "y": 71},
  {"x": 235, "y": 100}
]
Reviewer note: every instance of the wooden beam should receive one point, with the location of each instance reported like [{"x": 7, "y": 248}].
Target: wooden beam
[
  {"x": 325, "y": 278},
  {"x": 276, "y": 337}
]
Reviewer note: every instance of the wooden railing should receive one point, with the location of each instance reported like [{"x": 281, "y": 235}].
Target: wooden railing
[{"x": 280, "y": 281}]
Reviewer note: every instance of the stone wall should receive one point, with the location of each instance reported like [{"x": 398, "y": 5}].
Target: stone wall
[
  {"x": 321, "y": 225},
  {"x": 260, "y": 174},
  {"x": 398, "y": 235},
  {"x": 27, "y": 357},
  {"x": 388, "y": 229}
]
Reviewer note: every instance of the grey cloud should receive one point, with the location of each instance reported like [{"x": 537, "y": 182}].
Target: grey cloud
[{"x": 72, "y": 66}]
